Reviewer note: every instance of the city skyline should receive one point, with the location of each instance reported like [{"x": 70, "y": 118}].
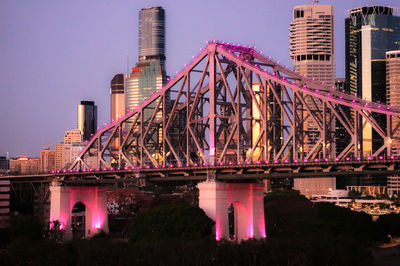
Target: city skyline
[{"x": 65, "y": 53}]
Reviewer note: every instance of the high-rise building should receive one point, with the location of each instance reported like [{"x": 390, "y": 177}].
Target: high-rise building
[
  {"x": 370, "y": 32},
  {"x": 152, "y": 34},
  {"x": 393, "y": 93},
  {"x": 58, "y": 155},
  {"x": 47, "y": 160},
  {"x": 117, "y": 97},
  {"x": 87, "y": 119},
  {"x": 149, "y": 74},
  {"x": 73, "y": 136},
  {"x": 312, "y": 51}
]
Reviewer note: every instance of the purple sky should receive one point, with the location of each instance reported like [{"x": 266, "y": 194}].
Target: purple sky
[{"x": 53, "y": 54}]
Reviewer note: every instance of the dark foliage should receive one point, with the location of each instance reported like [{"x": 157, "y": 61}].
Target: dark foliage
[
  {"x": 170, "y": 221},
  {"x": 389, "y": 224}
]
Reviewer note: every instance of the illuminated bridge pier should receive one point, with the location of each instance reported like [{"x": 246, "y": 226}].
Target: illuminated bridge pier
[
  {"x": 215, "y": 198},
  {"x": 65, "y": 202}
]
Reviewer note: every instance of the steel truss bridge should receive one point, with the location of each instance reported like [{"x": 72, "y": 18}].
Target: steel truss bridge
[{"x": 234, "y": 106}]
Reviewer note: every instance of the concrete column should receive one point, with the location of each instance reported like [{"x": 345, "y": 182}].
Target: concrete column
[
  {"x": 60, "y": 208},
  {"x": 247, "y": 198},
  {"x": 213, "y": 201},
  {"x": 63, "y": 200}
]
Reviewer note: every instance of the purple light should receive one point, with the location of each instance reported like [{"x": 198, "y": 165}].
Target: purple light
[
  {"x": 126, "y": 168},
  {"x": 97, "y": 169},
  {"x": 347, "y": 159},
  {"x": 155, "y": 166},
  {"x": 187, "y": 165},
  {"x": 392, "y": 157},
  {"x": 104, "y": 169},
  {"x": 369, "y": 158},
  {"x": 58, "y": 171},
  {"x": 171, "y": 165},
  {"x": 163, "y": 166},
  {"x": 230, "y": 163},
  {"x": 316, "y": 160},
  {"x": 239, "y": 163},
  {"x": 248, "y": 162},
  {"x": 296, "y": 161},
  {"x": 195, "y": 164},
  {"x": 84, "y": 170},
  {"x": 326, "y": 159},
  {"x": 180, "y": 166},
  {"x": 221, "y": 163},
  {"x": 305, "y": 160},
  {"x": 266, "y": 162},
  {"x": 380, "y": 157},
  {"x": 111, "y": 169},
  {"x": 276, "y": 161},
  {"x": 258, "y": 162},
  {"x": 286, "y": 161},
  {"x": 77, "y": 170},
  {"x": 353, "y": 101},
  {"x": 147, "y": 166},
  {"x": 337, "y": 159},
  {"x": 358, "y": 158},
  {"x": 52, "y": 172}
]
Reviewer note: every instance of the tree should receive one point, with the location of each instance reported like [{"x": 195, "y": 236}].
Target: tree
[{"x": 170, "y": 221}]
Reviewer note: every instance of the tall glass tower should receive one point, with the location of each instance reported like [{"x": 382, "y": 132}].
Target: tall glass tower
[
  {"x": 370, "y": 32},
  {"x": 87, "y": 119},
  {"x": 152, "y": 34},
  {"x": 148, "y": 76}
]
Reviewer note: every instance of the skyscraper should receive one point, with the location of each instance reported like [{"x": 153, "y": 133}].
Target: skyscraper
[
  {"x": 393, "y": 93},
  {"x": 87, "y": 119},
  {"x": 117, "y": 97},
  {"x": 370, "y": 33},
  {"x": 149, "y": 74},
  {"x": 312, "y": 51},
  {"x": 152, "y": 34},
  {"x": 47, "y": 160}
]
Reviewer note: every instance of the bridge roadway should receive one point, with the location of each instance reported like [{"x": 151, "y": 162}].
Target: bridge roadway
[{"x": 233, "y": 172}]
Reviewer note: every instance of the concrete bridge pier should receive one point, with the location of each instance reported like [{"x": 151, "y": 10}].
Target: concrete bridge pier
[
  {"x": 216, "y": 197},
  {"x": 63, "y": 199}
]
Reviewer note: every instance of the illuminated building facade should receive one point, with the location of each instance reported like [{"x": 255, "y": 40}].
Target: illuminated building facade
[
  {"x": 393, "y": 93},
  {"x": 117, "y": 97},
  {"x": 370, "y": 32},
  {"x": 47, "y": 160},
  {"x": 87, "y": 119},
  {"x": 312, "y": 51}
]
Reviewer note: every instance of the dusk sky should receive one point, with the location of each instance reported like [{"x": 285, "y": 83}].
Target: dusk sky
[{"x": 53, "y": 54}]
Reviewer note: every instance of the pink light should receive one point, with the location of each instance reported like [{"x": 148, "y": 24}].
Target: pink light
[
  {"x": 258, "y": 162},
  {"x": 221, "y": 163},
  {"x": 296, "y": 161},
  {"x": 369, "y": 158},
  {"x": 380, "y": 157},
  {"x": 77, "y": 170},
  {"x": 358, "y": 158},
  {"x": 230, "y": 163},
  {"x": 305, "y": 160},
  {"x": 195, "y": 164},
  {"x": 104, "y": 169},
  {"x": 52, "y": 172},
  {"x": 111, "y": 169},
  {"x": 126, "y": 168},
  {"x": 347, "y": 159},
  {"x": 316, "y": 160},
  {"x": 155, "y": 166},
  {"x": 276, "y": 161},
  {"x": 392, "y": 157},
  {"x": 248, "y": 162},
  {"x": 171, "y": 165},
  {"x": 251, "y": 232},
  {"x": 133, "y": 168},
  {"x": 239, "y": 163},
  {"x": 163, "y": 166},
  {"x": 180, "y": 166},
  {"x": 286, "y": 161},
  {"x": 148, "y": 166},
  {"x": 336, "y": 159},
  {"x": 326, "y": 159},
  {"x": 97, "y": 169}
]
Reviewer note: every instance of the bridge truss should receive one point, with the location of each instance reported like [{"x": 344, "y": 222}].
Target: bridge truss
[{"x": 232, "y": 104}]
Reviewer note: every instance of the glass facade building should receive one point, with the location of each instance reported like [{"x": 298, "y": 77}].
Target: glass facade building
[
  {"x": 87, "y": 119},
  {"x": 117, "y": 97},
  {"x": 152, "y": 34},
  {"x": 370, "y": 33},
  {"x": 393, "y": 93}
]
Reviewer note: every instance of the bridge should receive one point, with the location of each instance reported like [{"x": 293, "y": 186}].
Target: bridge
[{"x": 231, "y": 118}]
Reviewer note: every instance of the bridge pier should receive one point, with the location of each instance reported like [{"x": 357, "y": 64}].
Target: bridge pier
[
  {"x": 63, "y": 200},
  {"x": 247, "y": 199}
]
